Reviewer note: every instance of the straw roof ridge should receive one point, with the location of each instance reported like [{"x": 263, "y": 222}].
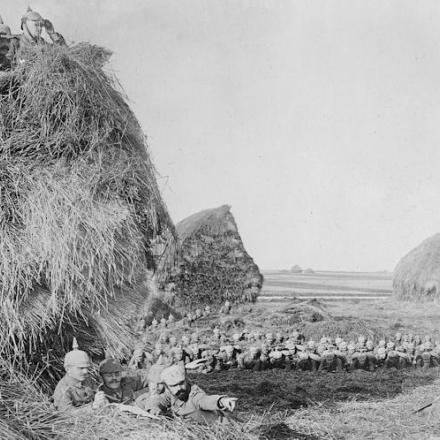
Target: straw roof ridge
[
  {"x": 211, "y": 218},
  {"x": 417, "y": 274}
]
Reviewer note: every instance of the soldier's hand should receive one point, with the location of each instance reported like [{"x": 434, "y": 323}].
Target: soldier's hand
[
  {"x": 155, "y": 411},
  {"x": 228, "y": 403},
  {"x": 193, "y": 365},
  {"x": 100, "y": 400},
  {"x": 48, "y": 26}
]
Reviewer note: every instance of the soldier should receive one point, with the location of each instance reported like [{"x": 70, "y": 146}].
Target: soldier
[
  {"x": 186, "y": 400},
  {"x": 381, "y": 355},
  {"x": 141, "y": 361},
  {"x": 7, "y": 42},
  {"x": 425, "y": 359},
  {"x": 371, "y": 357},
  {"x": 404, "y": 358},
  {"x": 180, "y": 355},
  {"x": 75, "y": 390},
  {"x": 269, "y": 339},
  {"x": 264, "y": 362},
  {"x": 120, "y": 389},
  {"x": 392, "y": 359},
  {"x": 199, "y": 313},
  {"x": 341, "y": 353},
  {"x": 172, "y": 341},
  {"x": 329, "y": 361},
  {"x": 163, "y": 323},
  {"x": 276, "y": 358},
  {"x": 32, "y": 24},
  {"x": 248, "y": 360},
  {"x": 351, "y": 350},
  {"x": 154, "y": 324}
]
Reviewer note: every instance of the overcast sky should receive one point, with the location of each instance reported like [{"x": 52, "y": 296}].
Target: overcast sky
[{"x": 317, "y": 120}]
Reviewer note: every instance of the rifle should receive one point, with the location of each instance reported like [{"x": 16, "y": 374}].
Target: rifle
[{"x": 426, "y": 406}]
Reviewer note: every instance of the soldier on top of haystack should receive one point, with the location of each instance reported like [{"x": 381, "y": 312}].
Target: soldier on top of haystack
[{"x": 32, "y": 24}]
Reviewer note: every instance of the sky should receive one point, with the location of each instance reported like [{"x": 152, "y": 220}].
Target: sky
[{"x": 318, "y": 121}]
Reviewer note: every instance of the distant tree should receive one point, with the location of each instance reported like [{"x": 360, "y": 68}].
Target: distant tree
[{"x": 308, "y": 270}]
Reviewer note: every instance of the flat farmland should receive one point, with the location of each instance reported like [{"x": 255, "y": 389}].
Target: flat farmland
[{"x": 282, "y": 286}]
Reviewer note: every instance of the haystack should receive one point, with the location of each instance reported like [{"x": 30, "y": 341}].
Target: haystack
[
  {"x": 417, "y": 275},
  {"x": 210, "y": 263},
  {"x": 80, "y": 206},
  {"x": 296, "y": 269}
]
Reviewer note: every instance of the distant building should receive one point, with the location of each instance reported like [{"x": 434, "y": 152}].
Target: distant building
[{"x": 296, "y": 269}]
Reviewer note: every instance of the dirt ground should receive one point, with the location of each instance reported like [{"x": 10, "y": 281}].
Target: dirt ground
[{"x": 356, "y": 405}]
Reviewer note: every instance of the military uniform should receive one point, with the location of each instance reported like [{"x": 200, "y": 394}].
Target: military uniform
[
  {"x": 131, "y": 388},
  {"x": 70, "y": 394},
  {"x": 199, "y": 407}
]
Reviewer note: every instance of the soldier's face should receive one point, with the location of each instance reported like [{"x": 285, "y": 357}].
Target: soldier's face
[
  {"x": 79, "y": 373},
  {"x": 34, "y": 27},
  {"x": 180, "y": 390},
  {"x": 112, "y": 380}
]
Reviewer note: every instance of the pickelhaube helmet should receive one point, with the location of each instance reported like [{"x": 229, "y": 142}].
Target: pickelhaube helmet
[
  {"x": 76, "y": 357},
  {"x": 30, "y": 15}
]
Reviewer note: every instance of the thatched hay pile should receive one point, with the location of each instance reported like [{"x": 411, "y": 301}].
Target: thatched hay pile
[
  {"x": 79, "y": 205},
  {"x": 417, "y": 275},
  {"x": 210, "y": 263}
]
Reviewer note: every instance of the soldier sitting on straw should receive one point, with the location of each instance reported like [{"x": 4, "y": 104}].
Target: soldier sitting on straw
[
  {"x": 118, "y": 389},
  {"x": 32, "y": 24},
  {"x": 186, "y": 400},
  {"x": 75, "y": 390}
]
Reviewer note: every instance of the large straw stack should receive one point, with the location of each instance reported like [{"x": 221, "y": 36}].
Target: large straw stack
[
  {"x": 417, "y": 275},
  {"x": 211, "y": 264},
  {"x": 79, "y": 205}
]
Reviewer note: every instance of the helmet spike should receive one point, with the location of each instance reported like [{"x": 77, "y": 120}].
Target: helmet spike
[{"x": 75, "y": 345}]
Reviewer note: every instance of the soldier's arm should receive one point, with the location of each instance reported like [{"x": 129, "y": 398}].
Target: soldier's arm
[
  {"x": 156, "y": 404},
  {"x": 204, "y": 401},
  {"x": 63, "y": 402},
  {"x": 58, "y": 39}
]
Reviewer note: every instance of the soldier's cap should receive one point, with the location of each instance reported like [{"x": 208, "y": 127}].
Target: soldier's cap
[
  {"x": 77, "y": 358},
  {"x": 110, "y": 365},
  {"x": 155, "y": 372},
  {"x": 173, "y": 375}
]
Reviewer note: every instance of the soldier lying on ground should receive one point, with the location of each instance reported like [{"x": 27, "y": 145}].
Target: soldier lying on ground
[{"x": 186, "y": 400}]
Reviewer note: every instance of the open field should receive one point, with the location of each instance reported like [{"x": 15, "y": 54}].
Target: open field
[{"x": 327, "y": 286}]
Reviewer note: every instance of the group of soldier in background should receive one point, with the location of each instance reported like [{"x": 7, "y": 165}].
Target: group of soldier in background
[{"x": 253, "y": 350}]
